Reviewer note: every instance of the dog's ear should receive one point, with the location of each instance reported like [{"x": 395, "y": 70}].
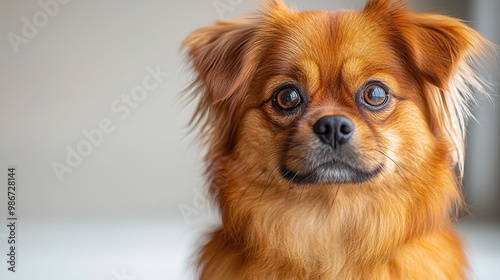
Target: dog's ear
[
  {"x": 439, "y": 45},
  {"x": 441, "y": 51},
  {"x": 435, "y": 44},
  {"x": 223, "y": 57},
  {"x": 220, "y": 56},
  {"x": 444, "y": 51}
]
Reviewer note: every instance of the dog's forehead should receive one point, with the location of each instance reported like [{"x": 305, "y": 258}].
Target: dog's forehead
[{"x": 336, "y": 45}]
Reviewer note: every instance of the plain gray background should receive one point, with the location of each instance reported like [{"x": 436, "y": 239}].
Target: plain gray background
[{"x": 132, "y": 206}]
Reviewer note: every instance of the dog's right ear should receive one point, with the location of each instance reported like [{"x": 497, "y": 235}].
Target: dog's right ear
[
  {"x": 221, "y": 55},
  {"x": 224, "y": 55},
  {"x": 224, "y": 58}
]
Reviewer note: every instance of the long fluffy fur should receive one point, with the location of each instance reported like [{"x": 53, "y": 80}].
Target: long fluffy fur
[{"x": 396, "y": 225}]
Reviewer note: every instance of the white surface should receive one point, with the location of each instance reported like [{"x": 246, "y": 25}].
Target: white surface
[
  {"x": 482, "y": 242},
  {"x": 160, "y": 250}
]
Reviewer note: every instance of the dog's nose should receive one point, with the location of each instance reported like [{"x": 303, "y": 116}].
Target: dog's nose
[{"x": 334, "y": 130}]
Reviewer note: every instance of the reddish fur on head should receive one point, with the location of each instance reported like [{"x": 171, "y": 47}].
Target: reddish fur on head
[{"x": 389, "y": 217}]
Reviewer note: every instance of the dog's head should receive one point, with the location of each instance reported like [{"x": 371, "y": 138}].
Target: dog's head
[{"x": 377, "y": 97}]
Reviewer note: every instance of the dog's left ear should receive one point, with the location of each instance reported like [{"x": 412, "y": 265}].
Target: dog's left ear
[
  {"x": 439, "y": 45},
  {"x": 435, "y": 44},
  {"x": 441, "y": 50}
]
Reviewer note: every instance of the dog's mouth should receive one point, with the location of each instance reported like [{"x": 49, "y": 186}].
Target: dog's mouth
[{"x": 332, "y": 172}]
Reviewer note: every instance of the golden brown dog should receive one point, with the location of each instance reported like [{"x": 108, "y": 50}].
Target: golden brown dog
[{"x": 334, "y": 140}]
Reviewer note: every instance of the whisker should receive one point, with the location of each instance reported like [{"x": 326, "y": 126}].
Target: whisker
[
  {"x": 357, "y": 193},
  {"x": 300, "y": 198},
  {"x": 266, "y": 186},
  {"x": 331, "y": 206},
  {"x": 402, "y": 174},
  {"x": 287, "y": 193},
  {"x": 399, "y": 166},
  {"x": 260, "y": 174}
]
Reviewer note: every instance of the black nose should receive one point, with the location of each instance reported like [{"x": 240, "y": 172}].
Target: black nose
[{"x": 334, "y": 130}]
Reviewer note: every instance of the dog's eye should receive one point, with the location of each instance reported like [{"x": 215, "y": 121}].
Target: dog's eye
[
  {"x": 287, "y": 98},
  {"x": 375, "y": 96}
]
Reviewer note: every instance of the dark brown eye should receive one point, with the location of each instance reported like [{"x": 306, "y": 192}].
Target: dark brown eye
[
  {"x": 375, "y": 96},
  {"x": 287, "y": 99}
]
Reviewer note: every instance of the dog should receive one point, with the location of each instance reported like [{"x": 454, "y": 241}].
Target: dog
[{"x": 335, "y": 141}]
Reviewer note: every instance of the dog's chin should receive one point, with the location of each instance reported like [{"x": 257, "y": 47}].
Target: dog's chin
[{"x": 330, "y": 173}]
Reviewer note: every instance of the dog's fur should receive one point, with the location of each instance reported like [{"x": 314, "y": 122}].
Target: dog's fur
[{"x": 293, "y": 207}]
